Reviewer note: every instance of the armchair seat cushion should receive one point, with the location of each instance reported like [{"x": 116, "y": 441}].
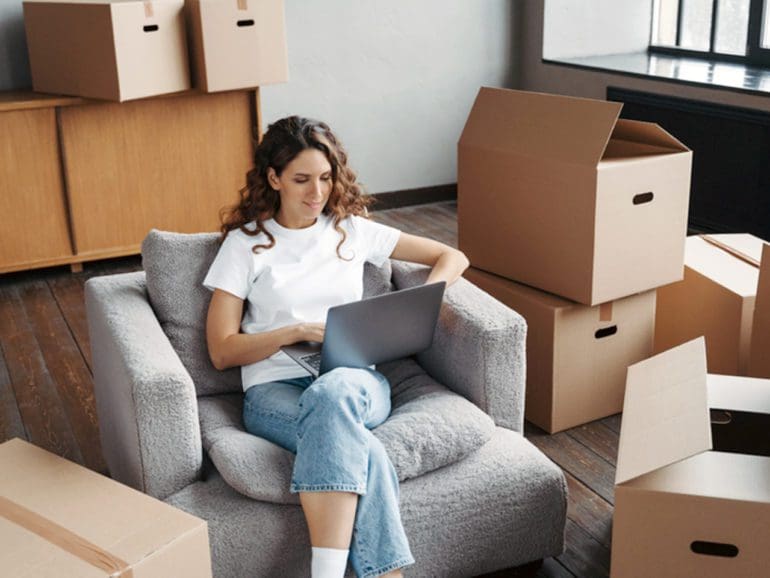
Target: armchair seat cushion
[{"x": 429, "y": 427}]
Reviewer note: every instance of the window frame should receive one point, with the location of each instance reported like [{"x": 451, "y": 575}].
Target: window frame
[{"x": 755, "y": 54}]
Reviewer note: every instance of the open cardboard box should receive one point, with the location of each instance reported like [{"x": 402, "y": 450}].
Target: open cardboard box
[
  {"x": 715, "y": 299},
  {"x": 759, "y": 358},
  {"x": 560, "y": 194},
  {"x": 682, "y": 510},
  {"x": 108, "y": 49},
  {"x": 60, "y": 519},
  {"x": 740, "y": 414},
  {"x": 577, "y": 355},
  {"x": 237, "y": 43}
]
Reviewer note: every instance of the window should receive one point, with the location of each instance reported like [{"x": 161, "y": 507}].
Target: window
[{"x": 730, "y": 30}]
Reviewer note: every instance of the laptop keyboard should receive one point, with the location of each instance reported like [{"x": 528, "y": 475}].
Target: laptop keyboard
[{"x": 313, "y": 360}]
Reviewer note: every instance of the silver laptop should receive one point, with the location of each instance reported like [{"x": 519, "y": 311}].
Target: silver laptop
[{"x": 373, "y": 330}]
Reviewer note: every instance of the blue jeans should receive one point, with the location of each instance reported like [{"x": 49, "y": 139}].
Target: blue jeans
[{"x": 326, "y": 423}]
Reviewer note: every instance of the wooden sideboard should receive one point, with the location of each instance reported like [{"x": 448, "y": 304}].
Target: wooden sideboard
[{"x": 82, "y": 179}]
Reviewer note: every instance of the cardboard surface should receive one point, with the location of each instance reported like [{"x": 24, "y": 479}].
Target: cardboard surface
[
  {"x": 576, "y": 355},
  {"x": 680, "y": 509},
  {"x": 595, "y": 208},
  {"x": 108, "y": 49},
  {"x": 759, "y": 356},
  {"x": 715, "y": 299},
  {"x": 237, "y": 43},
  {"x": 60, "y": 519},
  {"x": 665, "y": 411}
]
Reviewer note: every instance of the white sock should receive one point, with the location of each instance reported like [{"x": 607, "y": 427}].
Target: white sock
[{"x": 328, "y": 563}]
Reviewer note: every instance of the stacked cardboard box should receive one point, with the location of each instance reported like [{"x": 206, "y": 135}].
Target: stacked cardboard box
[
  {"x": 60, "y": 519},
  {"x": 127, "y": 49},
  {"x": 557, "y": 196},
  {"x": 681, "y": 509}
]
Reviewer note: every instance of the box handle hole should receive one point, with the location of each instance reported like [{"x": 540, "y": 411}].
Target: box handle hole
[
  {"x": 714, "y": 549},
  {"x": 151, "y": 28},
  {"x": 642, "y": 198},
  {"x": 242, "y": 23},
  {"x": 721, "y": 417},
  {"x": 606, "y": 331}
]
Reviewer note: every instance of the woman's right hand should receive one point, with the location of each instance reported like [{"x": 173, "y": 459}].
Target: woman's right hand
[{"x": 311, "y": 331}]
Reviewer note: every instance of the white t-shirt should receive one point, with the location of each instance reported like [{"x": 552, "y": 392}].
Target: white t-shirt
[{"x": 297, "y": 280}]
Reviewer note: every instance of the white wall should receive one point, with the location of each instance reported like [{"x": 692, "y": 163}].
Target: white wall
[
  {"x": 535, "y": 75},
  {"x": 592, "y": 27},
  {"x": 395, "y": 79}
]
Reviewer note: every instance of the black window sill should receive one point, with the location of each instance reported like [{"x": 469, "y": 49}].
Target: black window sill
[{"x": 680, "y": 69}]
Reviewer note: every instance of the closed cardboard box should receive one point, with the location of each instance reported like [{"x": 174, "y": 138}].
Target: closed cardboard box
[
  {"x": 682, "y": 510},
  {"x": 58, "y": 519},
  {"x": 577, "y": 355},
  {"x": 715, "y": 299},
  {"x": 759, "y": 358},
  {"x": 237, "y": 43},
  {"x": 560, "y": 194},
  {"x": 108, "y": 49}
]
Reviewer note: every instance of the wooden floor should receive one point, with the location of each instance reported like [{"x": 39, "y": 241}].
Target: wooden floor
[{"x": 46, "y": 392}]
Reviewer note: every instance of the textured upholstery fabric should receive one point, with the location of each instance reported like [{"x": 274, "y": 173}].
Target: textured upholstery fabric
[
  {"x": 429, "y": 427},
  {"x": 175, "y": 265},
  {"x": 476, "y": 349},
  {"x": 504, "y": 505}
]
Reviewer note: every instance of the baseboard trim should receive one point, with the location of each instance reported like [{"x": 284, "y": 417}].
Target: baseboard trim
[{"x": 406, "y": 198}]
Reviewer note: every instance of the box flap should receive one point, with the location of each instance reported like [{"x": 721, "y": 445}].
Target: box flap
[
  {"x": 646, "y": 133},
  {"x": 743, "y": 246},
  {"x": 722, "y": 266},
  {"x": 737, "y": 393},
  {"x": 665, "y": 411},
  {"x": 546, "y": 126}
]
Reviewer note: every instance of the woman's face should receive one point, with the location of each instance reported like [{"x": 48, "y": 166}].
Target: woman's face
[{"x": 304, "y": 186}]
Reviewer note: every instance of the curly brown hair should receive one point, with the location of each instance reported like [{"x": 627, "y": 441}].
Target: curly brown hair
[{"x": 283, "y": 141}]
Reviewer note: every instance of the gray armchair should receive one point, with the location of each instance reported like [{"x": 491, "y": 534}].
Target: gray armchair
[{"x": 475, "y": 495}]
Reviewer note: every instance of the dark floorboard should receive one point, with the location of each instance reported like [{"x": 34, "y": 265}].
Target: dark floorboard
[{"x": 46, "y": 393}]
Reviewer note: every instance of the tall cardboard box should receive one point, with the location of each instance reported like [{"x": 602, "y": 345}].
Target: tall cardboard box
[
  {"x": 577, "y": 355},
  {"x": 237, "y": 43},
  {"x": 560, "y": 194},
  {"x": 108, "y": 49},
  {"x": 715, "y": 299},
  {"x": 58, "y": 519},
  {"x": 759, "y": 357},
  {"x": 681, "y": 510}
]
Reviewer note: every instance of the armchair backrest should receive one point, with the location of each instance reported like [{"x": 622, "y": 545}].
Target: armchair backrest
[{"x": 175, "y": 265}]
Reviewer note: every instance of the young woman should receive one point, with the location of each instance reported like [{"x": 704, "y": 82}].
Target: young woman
[{"x": 292, "y": 248}]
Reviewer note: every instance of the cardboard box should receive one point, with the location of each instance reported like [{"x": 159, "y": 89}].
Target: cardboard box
[
  {"x": 682, "y": 510},
  {"x": 60, "y": 519},
  {"x": 715, "y": 299},
  {"x": 759, "y": 356},
  {"x": 560, "y": 194},
  {"x": 237, "y": 43},
  {"x": 740, "y": 414},
  {"x": 114, "y": 50},
  {"x": 576, "y": 355}
]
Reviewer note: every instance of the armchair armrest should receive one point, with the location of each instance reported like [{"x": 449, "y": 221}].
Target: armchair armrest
[
  {"x": 145, "y": 398},
  {"x": 478, "y": 349}
]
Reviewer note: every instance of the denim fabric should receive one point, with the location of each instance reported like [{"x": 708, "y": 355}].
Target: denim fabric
[{"x": 326, "y": 423}]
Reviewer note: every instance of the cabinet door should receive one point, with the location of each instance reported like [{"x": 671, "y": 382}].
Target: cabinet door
[
  {"x": 32, "y": 206},
  {"x": 168, "y": 163}
]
